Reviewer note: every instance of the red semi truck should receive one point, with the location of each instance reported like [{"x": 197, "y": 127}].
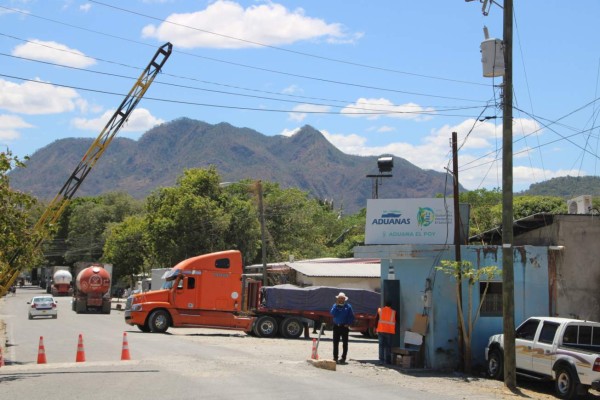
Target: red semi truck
[
  {"x": 208, "y": 291},
  {"x": 92, "y": 288}
]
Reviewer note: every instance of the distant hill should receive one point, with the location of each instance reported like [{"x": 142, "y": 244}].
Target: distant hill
[
  {"x": 566, "y": 186},
  {"x": 306, "y": 161}
]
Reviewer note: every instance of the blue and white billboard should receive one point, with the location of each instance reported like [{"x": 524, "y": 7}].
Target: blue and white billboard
[{"x": 410, "y": 221}]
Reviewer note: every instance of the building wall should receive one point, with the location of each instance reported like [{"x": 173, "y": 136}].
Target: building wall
[
  {"x": 373, "y": 284},
  {"x": 576, "y": 289},
  {"x": 415, "y": 267}
]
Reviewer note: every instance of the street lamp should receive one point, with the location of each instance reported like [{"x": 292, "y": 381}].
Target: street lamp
[{"x": 384, "y": 164}]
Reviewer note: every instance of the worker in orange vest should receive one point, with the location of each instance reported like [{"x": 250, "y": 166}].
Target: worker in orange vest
[{"x": 386, "y": 329}]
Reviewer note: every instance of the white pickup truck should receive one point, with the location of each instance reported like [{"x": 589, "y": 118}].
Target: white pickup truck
[{"x": 563, "y": 350}]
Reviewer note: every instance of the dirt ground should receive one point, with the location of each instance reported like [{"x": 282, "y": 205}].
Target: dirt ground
[{"x": 363, "y": 362}]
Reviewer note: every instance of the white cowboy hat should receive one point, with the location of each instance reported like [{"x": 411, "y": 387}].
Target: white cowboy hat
[{"x": 342, "y": 295}]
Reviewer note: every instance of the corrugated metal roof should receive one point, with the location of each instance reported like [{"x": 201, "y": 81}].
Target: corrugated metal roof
[{"x": 335, "y": 269}]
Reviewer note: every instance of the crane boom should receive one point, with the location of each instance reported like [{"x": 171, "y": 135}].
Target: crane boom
[{"x": 9, "y": 272}]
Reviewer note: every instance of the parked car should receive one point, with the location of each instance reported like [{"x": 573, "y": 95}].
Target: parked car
[
  {"x": 43, "y": 306},
  {"x": 563, "y": 350}
]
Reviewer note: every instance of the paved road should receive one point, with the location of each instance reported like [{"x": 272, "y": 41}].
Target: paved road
[{"x": 197, "y": 363}]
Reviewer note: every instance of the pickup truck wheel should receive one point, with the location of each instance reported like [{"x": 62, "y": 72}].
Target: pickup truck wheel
[
  {"x": 159, "y": 321},
  {"x": 291, "y": 328},
  {"x": 266, "y": 326},
  {"x": 495, "y": 365},
  {"x": 565, "y": 384}
]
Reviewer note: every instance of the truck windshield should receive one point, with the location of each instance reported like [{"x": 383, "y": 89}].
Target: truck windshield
[{"x": 167, "y": 285}]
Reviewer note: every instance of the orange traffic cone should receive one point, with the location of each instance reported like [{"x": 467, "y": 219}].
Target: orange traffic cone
[
  {"x": 314, "y": 354},
  {"x": 125, "y": 351},
  {"x": 80, "y": 352},
  {"x": 1, "y": 357},
  {"x": 41, "y": 352}
]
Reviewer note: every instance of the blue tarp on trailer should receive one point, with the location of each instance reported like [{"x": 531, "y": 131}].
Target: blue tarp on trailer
[{"x": 319, "y": 298}]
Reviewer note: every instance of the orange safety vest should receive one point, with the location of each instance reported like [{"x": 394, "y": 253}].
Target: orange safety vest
[{"x": 387, "y": 320}]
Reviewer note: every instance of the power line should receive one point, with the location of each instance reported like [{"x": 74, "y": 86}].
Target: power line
[
  {"x": 286, "y": 50},
  {"x": 445, "y": 108},
  {"x": 237, "y": 107},
  {"x": 324, "y": 80}
]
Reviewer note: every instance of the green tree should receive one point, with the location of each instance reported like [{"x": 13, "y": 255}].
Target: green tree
[
  {"x": 125, "y": 247},
  {"x": 88, "y": 217},
  {"x": 463, "y": 271},
  {"x": 18, "y": 249},
  {"x": 188, "y": 219},
  {"x": 298, "y": 225},
  {"x": 481, "y": 201}
]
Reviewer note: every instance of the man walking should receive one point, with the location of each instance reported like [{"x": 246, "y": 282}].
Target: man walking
[
  {"x": 386, "y": 329},
  {"x": 343, "y": 317}
]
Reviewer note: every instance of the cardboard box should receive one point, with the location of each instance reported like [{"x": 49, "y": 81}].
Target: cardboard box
[
  {"x": 420, "y": 324},
  {"x": 404, "y": 361}
]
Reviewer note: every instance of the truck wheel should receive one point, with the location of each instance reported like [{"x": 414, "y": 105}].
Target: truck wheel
[
  {"x": 565, "y": 384},
  {"x": 495, "y": 365},
  {"x": 266, "y": 326},
  {"x": 159, "y": 321},
  {"x": 291, "y": 328}
]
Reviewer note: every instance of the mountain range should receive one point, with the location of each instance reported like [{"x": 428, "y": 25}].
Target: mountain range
[{"x": 306, "y": 160}]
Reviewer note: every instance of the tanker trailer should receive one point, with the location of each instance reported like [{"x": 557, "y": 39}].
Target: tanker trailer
[
  {"x": 92, "y": 288},
  {"x": 61, "y": 283}
]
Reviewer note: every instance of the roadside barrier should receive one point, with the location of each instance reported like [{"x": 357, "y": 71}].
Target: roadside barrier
[
  {"x": 125, "y": 351},
  {"x": 41, "y": 359},
  {"x": 80, "y": 351}
]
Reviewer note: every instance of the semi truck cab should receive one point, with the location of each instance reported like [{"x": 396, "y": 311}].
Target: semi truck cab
[{"x": 202, "y": 291}]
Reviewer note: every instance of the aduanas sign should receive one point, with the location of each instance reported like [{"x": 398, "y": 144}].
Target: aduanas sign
[{"x": 409, "y": 221}]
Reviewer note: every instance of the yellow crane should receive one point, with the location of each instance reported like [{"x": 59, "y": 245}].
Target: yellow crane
[{"x": 10, "y": 272}]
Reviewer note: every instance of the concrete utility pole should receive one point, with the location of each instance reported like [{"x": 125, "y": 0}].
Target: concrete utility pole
[{"x": 508, "y": 282}]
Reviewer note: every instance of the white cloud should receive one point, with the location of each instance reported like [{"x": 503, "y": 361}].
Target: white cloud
[
  {"x": 140, "y": 120},
  {"x": 290, "y": 132},
  {"x": 302, "y": 110},
  {"x": 36, "y": 98},
  {"x": 85, "y": 7},
  {"x": 269, "y": 24},
  {"x": 479, "y": 157},
  {"x": 349, "y": 144},
  {"x": 53, "y": 52},
  {"x": 9, "y": 125},
  {"x": 386, "y": 128},
  {"x": 376, "y": 108},
  {"x": 292, "y": 89}
]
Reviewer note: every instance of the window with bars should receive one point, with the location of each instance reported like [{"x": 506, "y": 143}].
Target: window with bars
[{"x": 492, "y": 304}]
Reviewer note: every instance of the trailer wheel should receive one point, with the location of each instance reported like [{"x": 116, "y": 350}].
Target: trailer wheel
[
  {"x": 291, "y": 328},
  {"x": 266, "y": 326},
  {"x": 158, "y": 321}
]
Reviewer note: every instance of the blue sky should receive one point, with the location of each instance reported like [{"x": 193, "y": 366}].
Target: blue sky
[{"x": 376, "y": 77}]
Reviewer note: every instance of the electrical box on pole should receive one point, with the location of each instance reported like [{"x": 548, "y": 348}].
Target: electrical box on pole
[{"x": 492, "y": 56}]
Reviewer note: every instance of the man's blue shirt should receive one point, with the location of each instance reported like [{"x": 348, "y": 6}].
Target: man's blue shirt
[{"x": 342, "y": 314}]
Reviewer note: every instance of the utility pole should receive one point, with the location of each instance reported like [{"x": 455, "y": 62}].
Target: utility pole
[
  {"x": 261, "y": 211},
  {"x": 457, "y": 254},
  {"x": 508, "y": 280}
]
